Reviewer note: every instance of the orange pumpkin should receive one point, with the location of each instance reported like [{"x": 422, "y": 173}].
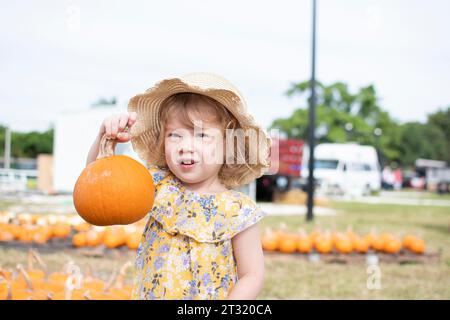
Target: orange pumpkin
[
  {"x": 40, "y": 237},
  {"x": 15, "y": 230},
  {"x": 82, "y": 227},
  {"x": 314, "y": 235},
  {"x": 61, "y": 230},
  {"x": 100, "y": 295},
  {"x": 304, "y": 244},
  {"x": 324, "y": 243},
  {"x": 386, "y": 236},
  {"x": 133, "y": 240},
  {"x": 79, "y": 240},
  {"x": 5, "y": 289},
  {"x": 91, "y": 283},
  {"x": 343, "y": 244},
  {"x": 392, "y": 246},
  {"x": 32, "y": 273},
  {"x": 114, "y": 237},
  {"x": 6, "y": 236},
  {"x": 119, "y": 288},
  {"x": 30, "y": 291},
  {"x": 417, "y": 246},
  {"x": 378, "y": 243},
  {"x": 269, "y": 240},
  {"x": 26, "y": 234},
  {"x": 5, "y": 274},
  {"x": 361, "y": 245},
  {"x": 93, "y": 238},
  {"x": 288, "y": 243},
  {"x": 49, "y": 286},
  {"x": 370, "y": 238},
  {"x": 113, "y": 189},
  {"x": 353, "y": 237},
  {"x": 408, "y": 240}
]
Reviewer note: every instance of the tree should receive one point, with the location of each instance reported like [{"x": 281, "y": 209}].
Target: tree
[
  {"x": 422, "y": 141},
  {"x": 441, "y": 120},
  {"x": 28, "y": 144},
  {"x": 337, "y": 107}
]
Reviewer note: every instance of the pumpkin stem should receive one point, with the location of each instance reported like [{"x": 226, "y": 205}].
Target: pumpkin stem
[
  {"x": 121, "y": 276},
  {"x": 87, "y": 295},
  {"x": 89, "y": 274},
  {"x": 2, "y": 272},
  {"x": 26, "y": 277},
  {"x": 71, "y": 284},
  {"x": 107, "y": 147},
  {"x": 37, "y": 257},
  {"x": 110, "y": 282},
  {"x": 8, "y": 285}
]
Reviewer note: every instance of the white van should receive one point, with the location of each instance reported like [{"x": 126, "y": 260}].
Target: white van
[{"x": 349, "y": 168}]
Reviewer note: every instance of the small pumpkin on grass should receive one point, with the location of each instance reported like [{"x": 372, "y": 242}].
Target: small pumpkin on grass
[
  {"x": 304, "y": 243},
  {"x": 269, "y": 240},
  {"x": 288, "y": 242},
  {"x": 343, "y": 244},
  {"x": 323, "y": 243},
  {"x": 91, "y": 283},
  {"x": 32, "y": 272},
  {"x": 114, "y": 237},
  {"x": 94, "y": 238},
  {"x": 417, "y": 245},
  {"x": 79, "y": 240},
  {"x": 133, "y": 240},
  {"x": 361, "y": 245},
  {"x": 114, "y": 189},
  {"x": 31, "y": 291},
  {"x": 6, "y": 236},
  {"x": 392, "y": 246},
  {"x": 5, "y": 289}
]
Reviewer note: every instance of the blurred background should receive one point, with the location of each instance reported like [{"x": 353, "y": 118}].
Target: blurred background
[{"x": 382, "y": 159}]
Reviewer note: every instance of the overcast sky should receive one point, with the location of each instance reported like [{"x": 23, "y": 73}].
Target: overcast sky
[{"x": 64, "y": 55}]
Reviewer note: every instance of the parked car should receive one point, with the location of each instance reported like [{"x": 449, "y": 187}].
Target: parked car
[{"x": 344, "y": 168}]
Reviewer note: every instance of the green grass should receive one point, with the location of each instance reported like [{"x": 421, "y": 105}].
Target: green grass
[
  {"x": 425, "y": 194},
  {"x": 293, "y": 278}
]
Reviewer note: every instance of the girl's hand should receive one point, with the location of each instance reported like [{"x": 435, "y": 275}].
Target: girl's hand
[{"x": 114, "y": 126}]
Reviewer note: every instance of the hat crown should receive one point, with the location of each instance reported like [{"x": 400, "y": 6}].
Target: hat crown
[{"x": 206, "y": 80}]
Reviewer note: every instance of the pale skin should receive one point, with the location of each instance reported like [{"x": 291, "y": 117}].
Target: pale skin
[{"x": 203, "y": 179}]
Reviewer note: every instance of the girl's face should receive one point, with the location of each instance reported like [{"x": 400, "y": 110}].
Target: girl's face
[{"x": 195, "y": 155}]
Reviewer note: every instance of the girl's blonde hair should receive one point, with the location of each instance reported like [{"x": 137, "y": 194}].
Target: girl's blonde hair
[{"x": 231, "y": 174}]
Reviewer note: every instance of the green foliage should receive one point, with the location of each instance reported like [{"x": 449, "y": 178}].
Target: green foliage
[
  {"x": 336, "y": 106},
  {"x": 441, "y": 120},
  {"x": 422, "y": 141},
  {"x": 27, "y": 144}
]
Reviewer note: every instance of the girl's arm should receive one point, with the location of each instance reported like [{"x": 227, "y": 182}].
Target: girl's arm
[
  {"x": 250, "y": 264},
  {"x": 93, "y": 151}
]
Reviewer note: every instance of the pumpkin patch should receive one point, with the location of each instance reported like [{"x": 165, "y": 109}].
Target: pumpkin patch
[
  {"x": 34, "y": 283},
  {"x": 349, "y": 242}
]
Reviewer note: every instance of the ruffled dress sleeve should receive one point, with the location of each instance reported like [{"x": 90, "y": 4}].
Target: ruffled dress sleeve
[{"x": 205, "y": 218}]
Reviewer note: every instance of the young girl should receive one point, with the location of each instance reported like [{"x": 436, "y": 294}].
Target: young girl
[{"x": 201, "y": 240}]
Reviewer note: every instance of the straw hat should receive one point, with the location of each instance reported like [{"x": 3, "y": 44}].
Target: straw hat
[{"x": 146, "y": 130}]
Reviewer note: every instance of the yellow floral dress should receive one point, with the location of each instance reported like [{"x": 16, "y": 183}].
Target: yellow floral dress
[{"x": 186, "y": 250}]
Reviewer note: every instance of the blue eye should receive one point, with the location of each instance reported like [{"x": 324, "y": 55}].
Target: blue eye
[{"x": 173, "y": 135}]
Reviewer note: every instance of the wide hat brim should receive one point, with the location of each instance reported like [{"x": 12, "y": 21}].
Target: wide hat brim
[{"x": 146, "y": 130}]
